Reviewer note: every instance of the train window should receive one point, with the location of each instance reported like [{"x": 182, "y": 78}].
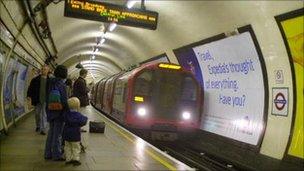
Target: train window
[
  {"x": 170, "y": 84},
  {"x": 124, "y": 97},
  {"x": 189, "y": 89},
  {"x": 143, "y": 84}
]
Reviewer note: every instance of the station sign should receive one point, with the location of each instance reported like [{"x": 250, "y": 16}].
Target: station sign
[
  {"x": 280, "y": 101},
  {"x": 106, "y": 12}
]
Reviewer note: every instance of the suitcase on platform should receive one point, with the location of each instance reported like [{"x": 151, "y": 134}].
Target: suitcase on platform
[{"x": 97, "y": 127}]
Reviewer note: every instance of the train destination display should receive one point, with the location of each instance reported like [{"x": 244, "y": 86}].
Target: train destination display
[{"x": 105, "y": 12}]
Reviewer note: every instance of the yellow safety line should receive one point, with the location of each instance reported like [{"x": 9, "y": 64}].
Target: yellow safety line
[{"x": 150, "y": 153}]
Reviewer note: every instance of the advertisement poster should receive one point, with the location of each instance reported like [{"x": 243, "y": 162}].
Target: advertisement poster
[
  {"x": 1, "y": 63},
  {"x": 230, "y": 71},
  {"x": 291, "y": 26},
  {"x": 8, "y": 90},
  {"x": 20, "y": 88}
]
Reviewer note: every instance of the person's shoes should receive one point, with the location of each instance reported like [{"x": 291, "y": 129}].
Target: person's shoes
[
  {"x": 37, "y": 129},
  {"x": 69, "y": 162},
  {"x": 59, "y": 159},
  {"x": 42, "y": 133},
  {"x": 76, "y": 163}
]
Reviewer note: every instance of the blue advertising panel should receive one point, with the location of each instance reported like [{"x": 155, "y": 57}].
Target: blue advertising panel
[
  {"x": 187, "y": 59},
  {"x": 8, "y": 90},
  {"x": 20, "y": 89},
  {"x": 1, "y": 63}
]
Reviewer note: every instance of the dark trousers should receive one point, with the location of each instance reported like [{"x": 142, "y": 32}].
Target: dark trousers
[{"x": 53, "y": 146}]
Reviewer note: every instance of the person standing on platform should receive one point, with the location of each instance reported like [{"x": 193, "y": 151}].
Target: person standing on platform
[
  {"x": 57, "y": 107},
  {"x": 73, "y": 121},
  {"x": 37, "y": 93},
  {"x": 80, "y": 89}
]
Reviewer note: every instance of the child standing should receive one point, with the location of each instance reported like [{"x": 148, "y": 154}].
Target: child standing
[{"x": 71, "y": 134}]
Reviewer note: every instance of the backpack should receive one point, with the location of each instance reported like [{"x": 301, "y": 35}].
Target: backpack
[{"x": 54, "y": 100}]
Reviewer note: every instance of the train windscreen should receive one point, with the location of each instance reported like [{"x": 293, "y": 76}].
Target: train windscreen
[{"x": 167, "y": 94}]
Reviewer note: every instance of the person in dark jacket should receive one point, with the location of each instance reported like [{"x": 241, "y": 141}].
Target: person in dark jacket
[
  {"x": 73, "y": 122},
  {"x": 53, "y": 146},
  {"x": 37, "y": 93},
  {"x": 80, "y": 89}
]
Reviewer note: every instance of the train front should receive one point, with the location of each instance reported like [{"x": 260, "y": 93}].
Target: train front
[{"x": 166, "y": 100}]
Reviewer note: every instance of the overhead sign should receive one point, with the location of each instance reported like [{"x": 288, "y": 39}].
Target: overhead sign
[
  {"x": 105, "y": 12},
  {"x": 280, "y": 101}
]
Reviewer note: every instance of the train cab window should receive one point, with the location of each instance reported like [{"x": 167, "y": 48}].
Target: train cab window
[
  {"x": 189, "y": 92},
  {"x": 143, "y": 84}
]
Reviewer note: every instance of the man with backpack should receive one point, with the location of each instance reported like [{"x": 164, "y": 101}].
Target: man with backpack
[
  {"x": 37, "y": 93},
  {"x": 57, "y": 107}
]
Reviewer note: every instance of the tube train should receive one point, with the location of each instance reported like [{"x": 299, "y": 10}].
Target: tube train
[{"x": 161, "y": 98}]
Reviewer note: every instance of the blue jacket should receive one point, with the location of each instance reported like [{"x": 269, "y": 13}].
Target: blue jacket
[
  {"x": 60, "y": 85},
  {"x": 73, "y": 122}
]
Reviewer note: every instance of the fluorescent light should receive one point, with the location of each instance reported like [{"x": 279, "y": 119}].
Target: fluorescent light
[
  {"x": 93, "y": 57},
  {"x": 102, "y": 41},
  {"x": 131, "y": 3},
  {"x": 92, "y": 75},
  {"x": 112, "y": 26}
]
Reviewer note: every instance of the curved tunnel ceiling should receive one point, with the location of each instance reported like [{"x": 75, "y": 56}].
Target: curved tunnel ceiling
[{"x": 126, "y": 46}]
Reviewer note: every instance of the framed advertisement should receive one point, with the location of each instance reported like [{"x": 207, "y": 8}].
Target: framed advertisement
[
  {"x": 291, "y": 27},
  {"x": 233, "y": 74}
]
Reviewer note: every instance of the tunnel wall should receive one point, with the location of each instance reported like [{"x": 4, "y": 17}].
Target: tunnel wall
[{"x": 15, "y": 79}]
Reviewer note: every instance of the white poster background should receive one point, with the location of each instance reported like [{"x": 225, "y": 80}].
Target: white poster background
[{"x": 234, "y": 89}]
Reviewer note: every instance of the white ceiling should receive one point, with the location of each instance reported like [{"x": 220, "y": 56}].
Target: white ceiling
[{"x": 179, "y": 23}]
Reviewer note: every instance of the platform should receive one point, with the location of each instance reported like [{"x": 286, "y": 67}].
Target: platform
[{"x": 116, "y": 149}]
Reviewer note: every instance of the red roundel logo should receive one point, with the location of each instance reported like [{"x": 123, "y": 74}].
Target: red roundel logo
[{"x": 280, "y": 101}]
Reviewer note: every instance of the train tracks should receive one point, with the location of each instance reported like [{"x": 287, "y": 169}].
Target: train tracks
[{"x": 195, "y": 159}]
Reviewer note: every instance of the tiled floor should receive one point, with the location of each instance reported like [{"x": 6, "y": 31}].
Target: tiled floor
[{"x": 116, "y": 149}]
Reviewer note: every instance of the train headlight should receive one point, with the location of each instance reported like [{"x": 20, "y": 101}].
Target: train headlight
[
  {"x": 186, "y": 115},
  {"x": 141, "y": 111}
]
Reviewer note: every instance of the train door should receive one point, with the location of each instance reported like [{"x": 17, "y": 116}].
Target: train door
[
  {"x": 106, "y": 93},
  {"x": 98, "y": 94}
]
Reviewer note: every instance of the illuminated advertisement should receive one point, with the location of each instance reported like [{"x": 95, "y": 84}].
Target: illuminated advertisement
[
  {"x": 291, "y": 26},
  {"x": 106, "y": 12},
  {"x": 8, "y": 90},
  {"x": 1, "y": 63},
  {"x": 232, "y": 75},
  {"x": 20, "y": 88}
]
